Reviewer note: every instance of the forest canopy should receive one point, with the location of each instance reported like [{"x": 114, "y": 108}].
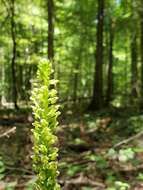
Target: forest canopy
[{"x": 95, "y": 46}]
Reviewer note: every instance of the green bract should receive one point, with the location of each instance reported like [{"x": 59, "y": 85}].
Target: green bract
[{"x": 45, "y": 112}]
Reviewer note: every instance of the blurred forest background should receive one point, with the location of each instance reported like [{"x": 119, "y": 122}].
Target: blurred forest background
[{"x": 96, "y": 48}]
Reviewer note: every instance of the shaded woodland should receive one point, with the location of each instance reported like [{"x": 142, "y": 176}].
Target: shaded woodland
[{"x": 96, "y": 51}]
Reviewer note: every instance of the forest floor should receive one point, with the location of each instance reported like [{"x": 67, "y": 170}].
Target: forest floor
[{"x": 101, "y": 151}]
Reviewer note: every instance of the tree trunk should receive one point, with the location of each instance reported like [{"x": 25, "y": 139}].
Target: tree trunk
[
  {"x": 77, "y": 70},
  {"x": 110, "y": 67},
  {"x": 97, "y": 100},
  {"x": 2, "y": 74},
  {"x": 27, "y": 81},
  {"x": 141, "y": 46},
  {"x": 50, "y": 30},
  {"x": 134, "y": 67},
  {"x": 13, "y": 63},
  {"x": 20, "y": 82},
  {"x": 76, "y": 76}
]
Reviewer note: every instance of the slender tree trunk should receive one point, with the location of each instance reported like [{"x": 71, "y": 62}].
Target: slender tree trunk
[
  {"x": 110, "y": 67},
  {"x": 13, "y": 61},
  {"x": 21, "y": 82},
  {"x": 134, "y": 67},
  {"x": 97, "y": 100},
  {"x": 76, "y": 74},
  {"x": 27, "y": 82},
  {"x": 2, "y": 74},
  {"x": 126, "y": 74},
  {"x": 50, "y": 30},
  {"x": 141, "y": 46}
]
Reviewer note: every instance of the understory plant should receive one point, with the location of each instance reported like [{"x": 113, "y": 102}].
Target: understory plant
[{"x": 45, "y": 110}]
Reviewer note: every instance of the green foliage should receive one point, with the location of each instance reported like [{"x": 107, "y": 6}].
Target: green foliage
[
  {"x": 72, "y": 170},
  {"x": 119, "y": 185},
  {"x": 100, "y": 161},
  {"x": 129, "y": 126},
  {"x": 2, "y": 168},
  {"x": 140, "y": 176},
  {"x": 126, "y": 154},
  {"x": 123, "y": 155},
  {"x": 135, "y": 123},
  {"x": 45, "y": 113}
]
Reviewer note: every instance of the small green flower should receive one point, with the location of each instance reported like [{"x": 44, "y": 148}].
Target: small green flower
[{"x": 45, "y": 112}]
